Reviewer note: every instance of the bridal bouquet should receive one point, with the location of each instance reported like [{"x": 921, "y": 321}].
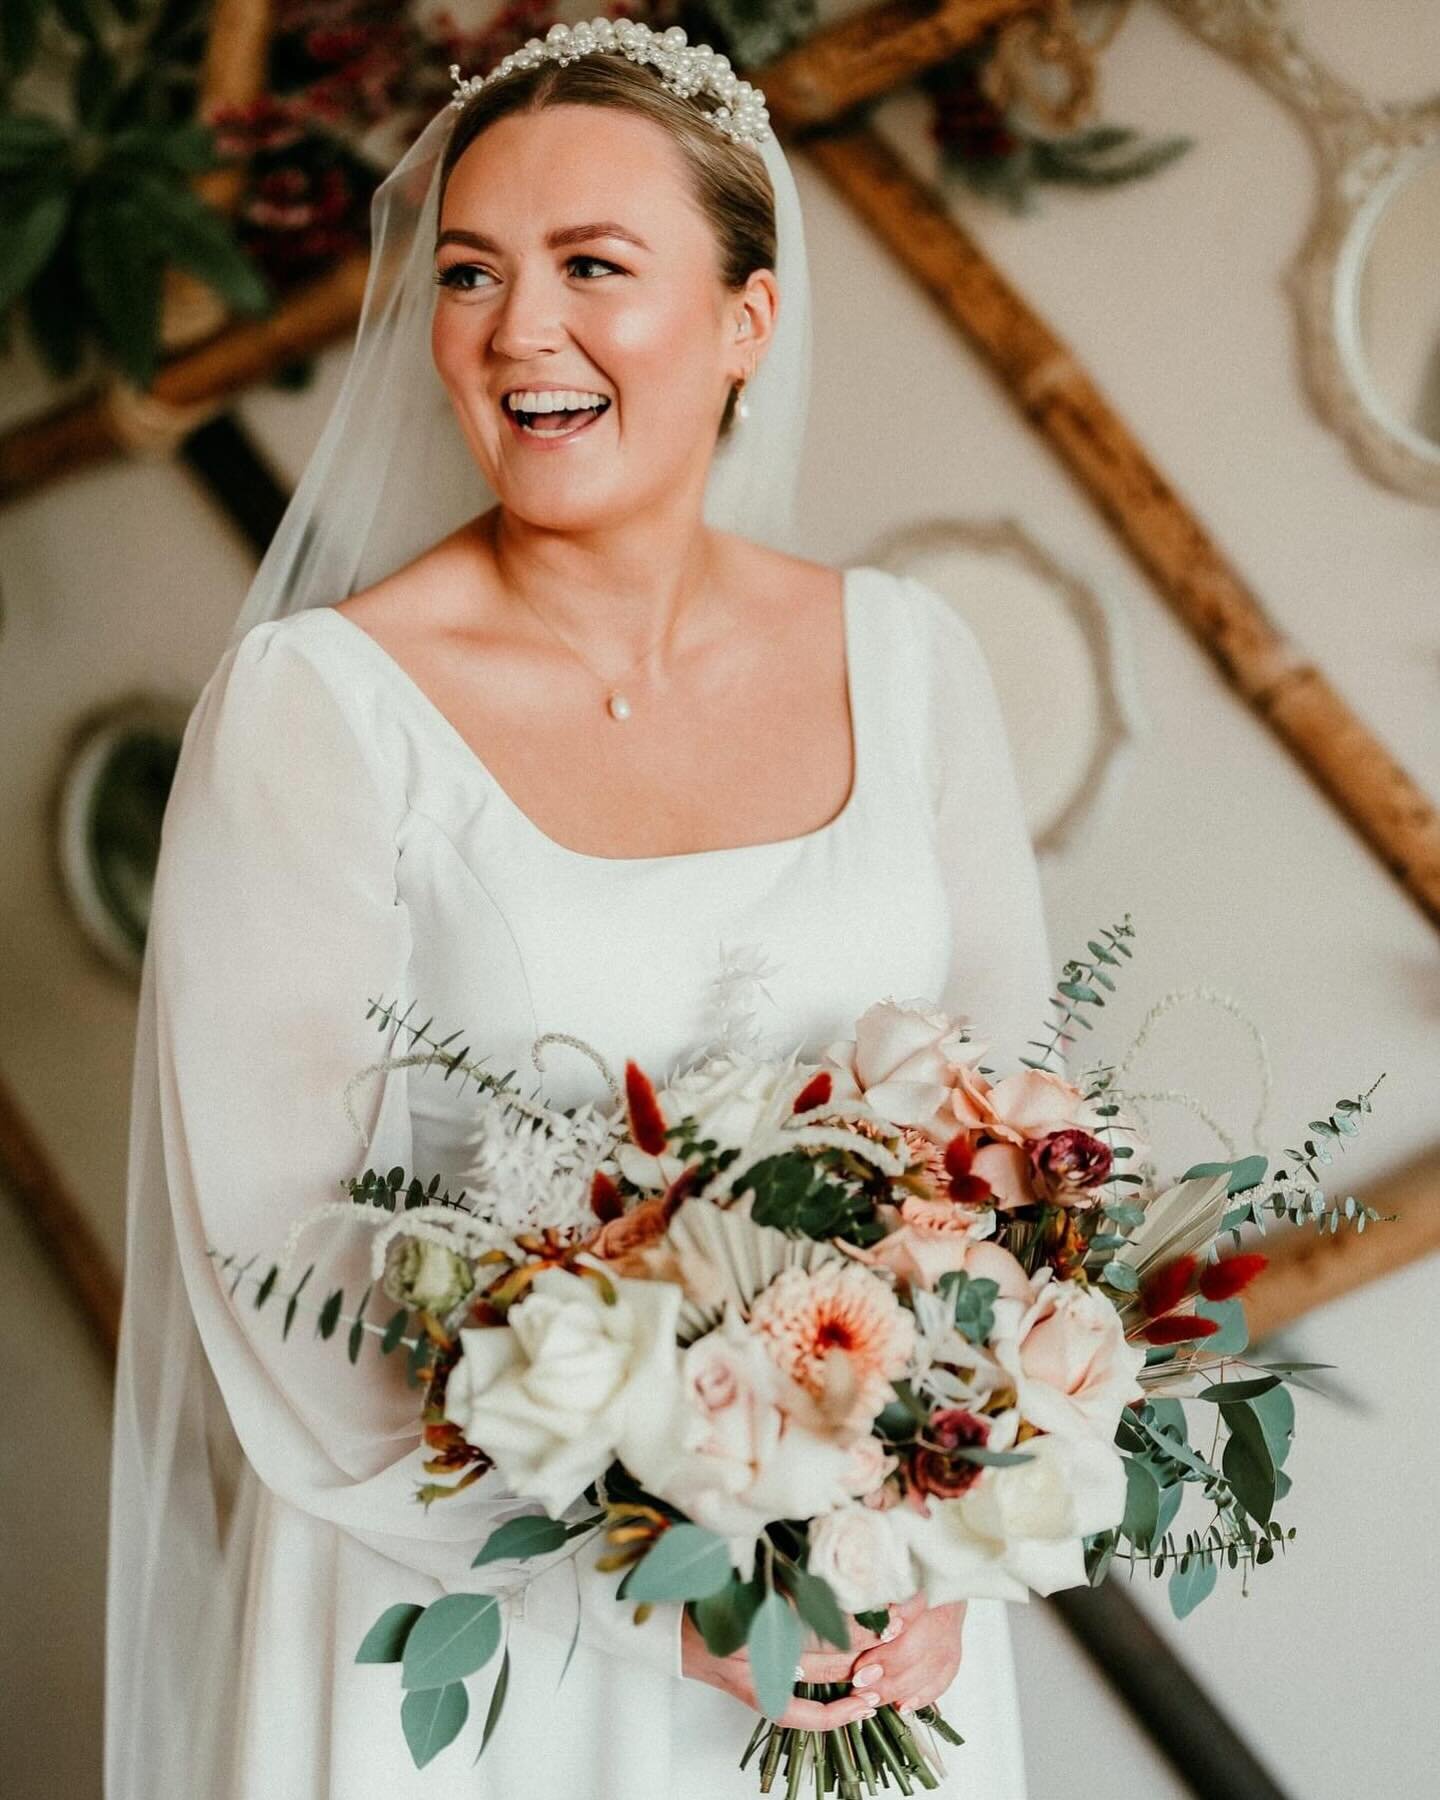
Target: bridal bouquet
[{"x": 798, "y": 1340}]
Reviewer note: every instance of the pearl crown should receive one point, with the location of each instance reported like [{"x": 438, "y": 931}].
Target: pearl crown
[{"x": 685, "y": 69}]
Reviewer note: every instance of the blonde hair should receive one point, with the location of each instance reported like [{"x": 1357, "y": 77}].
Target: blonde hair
[{"x": 730, "y": 182}]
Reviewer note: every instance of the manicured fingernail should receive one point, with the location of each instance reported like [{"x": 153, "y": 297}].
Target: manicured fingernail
[
  {"x": 892, "y": 1630},
  {"x": 868, "y": 1676}
]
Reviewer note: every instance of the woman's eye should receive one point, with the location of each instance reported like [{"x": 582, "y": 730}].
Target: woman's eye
[
  {"x": 598, "y": 261},
  {"x": 454, "y": 276}
]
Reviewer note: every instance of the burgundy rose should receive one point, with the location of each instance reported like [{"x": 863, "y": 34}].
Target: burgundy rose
[
  {"x": 1069, "y": 1161},
  {"x": 934, "y": 1466}
]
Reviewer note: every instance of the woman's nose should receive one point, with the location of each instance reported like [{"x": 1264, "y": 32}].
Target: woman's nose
[{"x": 531, "y": 315}]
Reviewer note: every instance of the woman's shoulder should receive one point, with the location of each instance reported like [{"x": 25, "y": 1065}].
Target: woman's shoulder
[{"x": 291, "y": 690}]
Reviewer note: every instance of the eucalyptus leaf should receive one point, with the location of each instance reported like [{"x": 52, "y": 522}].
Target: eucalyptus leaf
[
  {"x": 384, "y": 1642},
  {"x": 774, "y": 1645},
  {"x": 818, "y": 1606},
  {"x": 1224, "y": 1393},
  {"x": 1142, "y": 1503},
  {"x": 723, "y": 1619},
  {"x": 1275, "y": 1410},
  {"x": 1234, "y": 1333},
  {"x": 1247, "y": 1462},
  {"x": 686, "y": 1562},
  {"x": 1190, "y": 1583},
  {"x": 458, "y": 1634},
  {"x": 1245, "y": 1173},
  {"x": 529, "y": 1536},
  {"x": 432, "y": 1718},
  {"x": 497, "y": 1702}
]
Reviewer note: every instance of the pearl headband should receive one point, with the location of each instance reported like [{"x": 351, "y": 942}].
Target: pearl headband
[{"x": 685, "y": 69}]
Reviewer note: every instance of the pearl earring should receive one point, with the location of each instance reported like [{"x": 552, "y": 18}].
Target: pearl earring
[{"x": 742, "y": 405}]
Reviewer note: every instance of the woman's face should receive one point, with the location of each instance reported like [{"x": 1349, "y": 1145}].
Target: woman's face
[{"x": 571, "y": 256}]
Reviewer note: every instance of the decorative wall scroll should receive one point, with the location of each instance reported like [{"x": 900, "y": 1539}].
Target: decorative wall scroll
[
  {"x": 1366, "y": 285},
  {"x": 989, "y": 569},
  {"x": 108, "y": 809}
]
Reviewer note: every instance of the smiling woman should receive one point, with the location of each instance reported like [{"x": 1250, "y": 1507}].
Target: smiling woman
[
  {"x": 398, "y": 781},
  {"x": 726, "y": 183}
]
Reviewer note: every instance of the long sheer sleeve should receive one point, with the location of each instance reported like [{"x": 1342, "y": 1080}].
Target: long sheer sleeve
[
  {"x": 1000, "y": 977},
  {"x": 276, "y": 916}
]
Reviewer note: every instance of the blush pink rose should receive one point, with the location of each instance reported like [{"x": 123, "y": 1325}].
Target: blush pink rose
[
  {"x": 1021, "y": 1108},
  {"x": 903, "y": 1062},
  {"x": 1074, "y": 1369}
]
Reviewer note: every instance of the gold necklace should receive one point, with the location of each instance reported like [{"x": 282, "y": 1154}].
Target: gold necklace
[{"x": 616, "y": 704}]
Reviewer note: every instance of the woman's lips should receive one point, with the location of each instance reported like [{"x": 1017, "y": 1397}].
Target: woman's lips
[{"x": 535, "y": 440}]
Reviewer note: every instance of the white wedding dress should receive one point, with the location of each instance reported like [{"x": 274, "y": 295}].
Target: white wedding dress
[{"x": 331, "y": 840}]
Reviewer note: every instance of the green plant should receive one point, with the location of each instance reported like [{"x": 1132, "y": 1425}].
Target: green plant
[{"x": 98, "y": 155}]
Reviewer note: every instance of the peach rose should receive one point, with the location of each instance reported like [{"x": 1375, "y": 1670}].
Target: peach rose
[
  {"x": 1073, "y": 1369},
  {"x": 1021, "y": 1108},
  {"x": 934, "y": 1238},
  {"x": 903, "y": 1061}
]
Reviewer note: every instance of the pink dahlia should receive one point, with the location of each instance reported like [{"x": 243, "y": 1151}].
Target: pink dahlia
[{"x": 840, "y": 1333}]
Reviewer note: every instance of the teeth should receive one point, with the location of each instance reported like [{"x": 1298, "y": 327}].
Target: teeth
[{"x": 553, "y": 400}]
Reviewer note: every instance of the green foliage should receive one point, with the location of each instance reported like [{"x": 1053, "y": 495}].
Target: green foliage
[
  {"x": 817, "y": 1605},
  {"x": 432, "y": 1718},
  {"x": 795, "y": 1193},
  {"x": 390, "y": 1336},
  {"x": 723, "y": 1618},
  {"x": 974, "y": 1302},
  {"x": 1246, "y": 1172},
  {"x": 1301, "y": 1200},
  {"x": 456, "y": 1635},
  {"x": 389, "y": 1019},
  {"x": 497, "y": 1702},
  {"x": 98, "y": 200},
  {"x": 533, "y": 1535},
  {"x": 1079, "y": 984},
  {"x": 685, "y": 1562},
  {"x": 774, "y": 1645},
  {"x": 385, "y": 1640}
]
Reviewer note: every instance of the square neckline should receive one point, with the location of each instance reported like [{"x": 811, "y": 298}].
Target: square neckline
[{"x": 859, "y": 756}]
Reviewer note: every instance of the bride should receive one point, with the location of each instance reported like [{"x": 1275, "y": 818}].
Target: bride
[{"x": 598, "y": 757}]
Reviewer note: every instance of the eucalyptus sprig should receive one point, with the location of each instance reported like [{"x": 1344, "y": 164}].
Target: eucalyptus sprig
[{"x": 1077, "y": 986}]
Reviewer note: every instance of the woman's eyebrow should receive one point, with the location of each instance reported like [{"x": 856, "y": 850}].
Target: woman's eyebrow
[{"x": 565, "y": 234}]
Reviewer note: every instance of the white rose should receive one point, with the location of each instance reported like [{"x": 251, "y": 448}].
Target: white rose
[
  {"x": 569, "y": 1382},
  {"x": 1073, "y": 1368},
  {"x": 865, "y": 1556},
  {"x": 1019, "y": 1529},
  {"x": 734, "y": 1099}
]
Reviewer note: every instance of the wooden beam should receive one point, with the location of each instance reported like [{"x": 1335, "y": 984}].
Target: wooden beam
[
  {"x": 233, "y": 73},
  {"x": 1309, "y": 1269},
  {"x": 188, "y": 389},
  {"x": 59, "y": 1226},
  {"x": 1181, "y": 1719},
  {"x": 872, "y": 53},
  {"x": 1269, "y": 671}
]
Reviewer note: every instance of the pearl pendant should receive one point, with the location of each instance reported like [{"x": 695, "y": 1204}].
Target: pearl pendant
[{"x": 619, "y": 706}]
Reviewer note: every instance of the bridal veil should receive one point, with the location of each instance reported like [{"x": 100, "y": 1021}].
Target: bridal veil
[{"x": 390, "y": 475}]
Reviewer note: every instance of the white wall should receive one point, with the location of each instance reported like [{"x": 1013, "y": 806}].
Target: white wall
[{"x": 1238, "y": 873}]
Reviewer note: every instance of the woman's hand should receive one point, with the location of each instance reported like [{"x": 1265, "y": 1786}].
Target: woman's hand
[
  {"x": 732, "y": 1674},
  {"x": 915, "y": 1668}
]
